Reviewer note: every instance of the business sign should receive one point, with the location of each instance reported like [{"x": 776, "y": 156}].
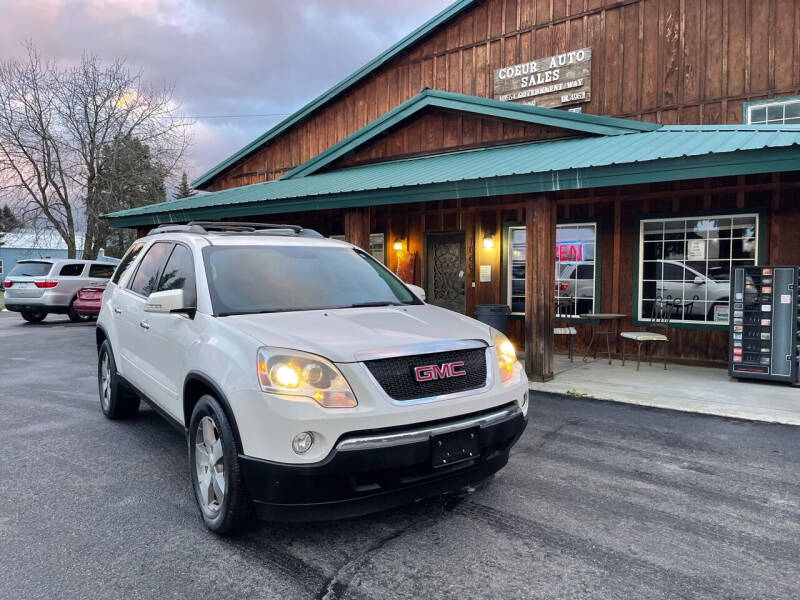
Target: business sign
[
  {"x": 569, "y": 252},
  {"x": 695, "y": 249},
  {"x": 554, "y": 81},
  {"x": 722, "y": 313}
]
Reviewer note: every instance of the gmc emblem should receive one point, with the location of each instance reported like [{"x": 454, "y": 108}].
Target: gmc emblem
[{"x": 443, "y": 371}]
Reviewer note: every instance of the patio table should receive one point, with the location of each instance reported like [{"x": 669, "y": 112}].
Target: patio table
[{"x": 596, "y": 320}]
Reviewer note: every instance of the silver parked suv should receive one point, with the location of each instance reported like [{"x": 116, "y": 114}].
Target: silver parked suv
[{"x": 35, "y": 288}]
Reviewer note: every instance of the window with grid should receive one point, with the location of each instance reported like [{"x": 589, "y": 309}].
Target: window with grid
[
  {"x": 688, "y": 262},
  {"x": 774, "y": 113},
  {"x": 574, "y": 268}
]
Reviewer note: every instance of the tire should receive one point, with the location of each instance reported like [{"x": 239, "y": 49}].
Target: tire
[
  {"x": 214, "y": 468},
  {"x": 116, "y": 402},
  {"x": 75, "y": 316},
  {"x": 33, "y": 317}
]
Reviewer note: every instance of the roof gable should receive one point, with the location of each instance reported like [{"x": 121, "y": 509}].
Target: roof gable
[
  {"x": 404, "y": 44},
  {"x": 427, "y": 98}
]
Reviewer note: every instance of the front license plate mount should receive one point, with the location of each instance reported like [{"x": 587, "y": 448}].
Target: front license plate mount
[{"x": 455, "y": 447}]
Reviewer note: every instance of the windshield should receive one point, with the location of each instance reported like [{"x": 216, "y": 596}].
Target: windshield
[
  {"x": 30, "y": 269},
  {"x": 254, "y": 279}
]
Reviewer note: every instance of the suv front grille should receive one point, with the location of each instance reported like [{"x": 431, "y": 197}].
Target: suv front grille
[{"x": 396, "y": 375}]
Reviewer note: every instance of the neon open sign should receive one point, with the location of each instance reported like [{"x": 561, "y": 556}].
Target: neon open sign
[{"x": 569, "y": 252}]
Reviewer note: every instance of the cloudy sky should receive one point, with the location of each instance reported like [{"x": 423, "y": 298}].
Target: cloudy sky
[{"x": 225, "y": 57}]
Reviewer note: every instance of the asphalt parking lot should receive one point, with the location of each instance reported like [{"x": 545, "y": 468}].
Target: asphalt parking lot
[{"x": 598, "y": 501}]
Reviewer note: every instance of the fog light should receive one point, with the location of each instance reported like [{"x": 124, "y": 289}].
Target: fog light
[{"x": 302, "y": 442}]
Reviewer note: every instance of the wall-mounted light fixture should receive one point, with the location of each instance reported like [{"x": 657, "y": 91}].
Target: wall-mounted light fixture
[
  {"x": 398, "y": 245},
  {"x": 488, "y": 241}
]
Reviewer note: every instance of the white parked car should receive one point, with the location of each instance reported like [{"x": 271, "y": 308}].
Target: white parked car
[
  {"x": 310, "y": 381},
  {"x": 698, "y": 294}
]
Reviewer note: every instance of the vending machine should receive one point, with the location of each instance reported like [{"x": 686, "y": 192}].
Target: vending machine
[{"x": 764, "y": 342}]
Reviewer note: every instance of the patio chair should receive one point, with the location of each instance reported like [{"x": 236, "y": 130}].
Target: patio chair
[
  {"x": 659, "y": 319},
  {"x": 570, "y": 332}
]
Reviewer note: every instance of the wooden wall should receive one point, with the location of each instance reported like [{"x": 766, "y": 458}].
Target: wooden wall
[
  {"x": 672, "y": 61},
  {"x": 447, "y": 130}
]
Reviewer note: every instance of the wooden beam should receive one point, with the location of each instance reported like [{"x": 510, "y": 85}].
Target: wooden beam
[
  {"x": 617, "y": 249},
  {"x": 540, "y": 243},
  {"x": 356, "y": 227}
]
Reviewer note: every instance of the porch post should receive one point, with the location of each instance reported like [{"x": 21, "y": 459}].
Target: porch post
[
  {"x": 540, "y": 243},
  {"x": 356, "y": 227}
]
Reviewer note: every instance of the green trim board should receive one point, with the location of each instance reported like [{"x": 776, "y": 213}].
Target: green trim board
[
  {"x": 393, "y": 51},
  {"x": 504, "y": 246},
  {"x": 274, "y": 197},
  {"x": 485, "y": 107},
  {"x": 598, "y": 256},
  {"x": 761, "y": 254},
  {"x": 747, "y": 105}
]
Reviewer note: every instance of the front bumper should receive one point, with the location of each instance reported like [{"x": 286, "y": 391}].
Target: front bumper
[{"x": 377, "y": 470}]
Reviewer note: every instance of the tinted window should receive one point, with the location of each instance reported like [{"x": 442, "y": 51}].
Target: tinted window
[
  {"x": 101, "y": 271},
  {"x": 71, "y": 270},
  {"x": 179, "y": 275},
  {"x": 31, "y": 269},
  {"x": 283, "y": 278},
  {"x": 127, "y": 261},
  {"x": 146, "y": 278}
]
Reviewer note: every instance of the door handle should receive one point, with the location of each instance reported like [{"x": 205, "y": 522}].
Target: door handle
[
  {"x": 144, "y": 325},
  {"x": 117, "y": 310}
]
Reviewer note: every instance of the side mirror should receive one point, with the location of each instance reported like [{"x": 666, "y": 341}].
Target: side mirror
[
  {"x": 699, "y": 280},
  {"x": 418, "y": 291},
  {"x": 170, "y": 301}
]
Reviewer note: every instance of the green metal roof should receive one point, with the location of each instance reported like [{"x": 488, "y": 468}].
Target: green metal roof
[
  {"x": 486, "y": 107},
  {"x": 420, "y": 32},
  {"x": 665, "y": 154}
]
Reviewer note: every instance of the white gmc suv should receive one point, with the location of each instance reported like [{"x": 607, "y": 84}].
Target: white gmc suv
[{"x": 310, "y": 381}]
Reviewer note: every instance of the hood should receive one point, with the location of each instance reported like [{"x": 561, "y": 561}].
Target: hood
[{"x": 340, "y": 333}]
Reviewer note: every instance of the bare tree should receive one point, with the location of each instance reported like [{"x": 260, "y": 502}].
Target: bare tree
[{"x": 55, "y": 123}]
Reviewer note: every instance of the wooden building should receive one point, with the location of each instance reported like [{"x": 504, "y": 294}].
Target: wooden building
[{"x": 652, "y": 144}]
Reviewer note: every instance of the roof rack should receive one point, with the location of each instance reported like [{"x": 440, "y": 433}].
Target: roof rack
[
  {"x": 203, "y": 227},
  {"x": 244, "y": 226},
  {"x": 176, "y": 229}
]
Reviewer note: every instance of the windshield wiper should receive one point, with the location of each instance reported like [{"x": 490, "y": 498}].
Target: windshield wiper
[
  {"x": 377, "y": 303},
  {"x": 279, "y": 310},
  {"x": 257, "y": 312}
]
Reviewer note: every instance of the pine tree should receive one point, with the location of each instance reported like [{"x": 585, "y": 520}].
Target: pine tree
[
  {"x": 8, "y": 222},
  {"x": 183, "y": 190},
  {"x": 129, "y": 178}
]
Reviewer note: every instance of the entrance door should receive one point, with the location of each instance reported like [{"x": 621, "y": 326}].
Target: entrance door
[{"x": 444, "y": 270}]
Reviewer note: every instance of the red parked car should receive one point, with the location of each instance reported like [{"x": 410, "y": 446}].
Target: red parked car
[{"x": 89, "y": 300}]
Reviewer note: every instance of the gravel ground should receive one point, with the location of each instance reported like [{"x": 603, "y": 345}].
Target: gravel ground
[{"x": 599, "y": 500}]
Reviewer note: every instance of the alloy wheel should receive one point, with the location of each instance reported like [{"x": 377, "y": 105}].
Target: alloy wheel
[
  {"x": 105, "y": 381},
  {"x": 209, "y": 466}
]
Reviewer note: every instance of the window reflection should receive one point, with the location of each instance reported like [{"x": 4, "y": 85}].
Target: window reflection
[
  {"x": 574, "y": 269},
  {"x": 693, "y": 272}
]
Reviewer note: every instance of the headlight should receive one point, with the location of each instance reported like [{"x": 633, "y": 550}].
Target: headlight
[
  {"x": 506, "y": 355},
  {"x": 297, "y": 373}
]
